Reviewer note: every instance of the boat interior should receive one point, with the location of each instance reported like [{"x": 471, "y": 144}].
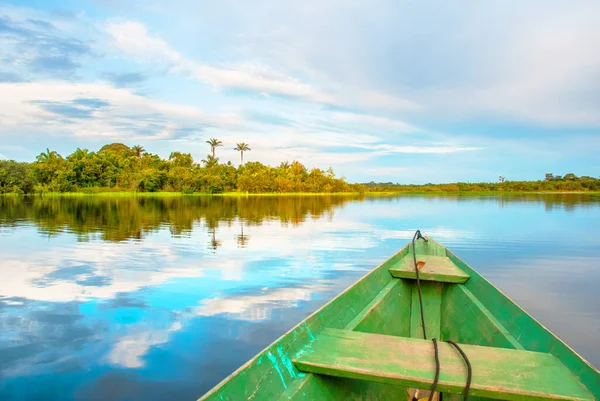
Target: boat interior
[{"x": 375, "y": 341}]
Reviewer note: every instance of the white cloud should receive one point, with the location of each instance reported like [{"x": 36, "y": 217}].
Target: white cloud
[
  {"x": 2, "y": 157},
  {"x": 24, "y": 107},
  {"x": 439, "y": 149},
  {"x": 133, "y": 39},
  {"x": 536, "y": 63},
  {"x": 370, "y": 121}
]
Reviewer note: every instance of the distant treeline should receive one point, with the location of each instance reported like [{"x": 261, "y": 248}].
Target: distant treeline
[
  {"x": 551, "y": 183},
  {"x": 117, "y": 167}
]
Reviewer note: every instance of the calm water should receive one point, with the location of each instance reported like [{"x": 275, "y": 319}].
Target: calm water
[{"x": 153, "y": 299}]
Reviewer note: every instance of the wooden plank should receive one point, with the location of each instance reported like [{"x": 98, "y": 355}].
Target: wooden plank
[
  {"x": 436, "y": 268},
  {"x": 388, "y": 313},
  {"x": 466, "y": 320},
  {"x": 498, "y": 373},
  {"x": 270, "y": 373},
  {"x": 530, "y": 333},
  {"x": 431, "y": 293},
  {"x": 330, "y": 388}
]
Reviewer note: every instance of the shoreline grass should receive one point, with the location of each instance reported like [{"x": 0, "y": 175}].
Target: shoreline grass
[{"x": 125, "y": 194}]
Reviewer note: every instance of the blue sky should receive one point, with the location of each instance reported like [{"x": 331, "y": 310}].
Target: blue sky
[{"x": 386, "y": 90}]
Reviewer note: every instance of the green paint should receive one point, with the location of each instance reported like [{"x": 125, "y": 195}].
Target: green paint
[
  {"x": 497, "y": 372},
  {"x": 432, "y": 309},
  {"x": 286, "y": 362},
  {"x": 471, "y": 313},
  {"x": 310, "y": 334},
  {"x": 388, "y": 313},
  {"x": 436, "y": 268},
  {"x": 275, "y": 364},
  {"x": 465, "y": 319}
]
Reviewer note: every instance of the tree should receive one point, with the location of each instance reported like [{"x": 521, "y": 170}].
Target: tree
[
  {"x": 181, "y": 159},
  {"x": 242, "y": 147},
  {"x": 48, "y": 156},
  {"x": 214, "y": 143},
  {"x": 501, "y": 178},
  {"x": 570, "y": 177},
  {"x": 210, "y": 161},
  {"x": 549, "y": 177},
  {"x": 138, "y": 150},
  {"x": 118, "y": 148},
  {"x": 15, "y": 177}
]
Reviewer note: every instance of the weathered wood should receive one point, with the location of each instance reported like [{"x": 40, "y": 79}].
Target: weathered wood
[
  {"x": 529, "y": 332},
  {"x": 466, "y": 320},
  {"x": 270, "y": 373},
  {"x": 436, "y": 268},
  {"x": 388, "y": 313},
  {"x": 431, "y": 293},
  {"x": 330, "y": 388},
  {"x": 498, "y": 373}
]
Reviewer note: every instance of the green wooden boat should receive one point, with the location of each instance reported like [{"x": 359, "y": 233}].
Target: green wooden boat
[{"x": 368, "y": 343}]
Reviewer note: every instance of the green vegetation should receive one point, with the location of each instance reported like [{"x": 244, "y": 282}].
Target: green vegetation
[
  {"x": 117, "y": 168},
  {"x": 124, "y": 218},
  {"x": 551, "y": 183}
]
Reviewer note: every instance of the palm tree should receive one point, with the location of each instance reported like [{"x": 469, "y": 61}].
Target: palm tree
[
  {"x": 48, "y": 156},
  {"x": 138, "y": 150},
  {"x": 242, "y": 147},
  {"x": 210, "y": 161},
  {"x": 79, "y": 154},
  {"x": 214, "y": 143}
]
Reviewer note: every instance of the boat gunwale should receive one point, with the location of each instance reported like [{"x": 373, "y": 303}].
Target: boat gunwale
[
  {"x": 297, "y": 326},
  {"x": 556, "y": 337},
  {"x": 407, "y": 250}
]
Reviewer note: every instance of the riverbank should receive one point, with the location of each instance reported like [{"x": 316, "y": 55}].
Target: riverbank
[{"x": 274, "y": 194}]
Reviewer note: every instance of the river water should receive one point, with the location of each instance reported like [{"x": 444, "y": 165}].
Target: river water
[{"x": 162, "y": 297}]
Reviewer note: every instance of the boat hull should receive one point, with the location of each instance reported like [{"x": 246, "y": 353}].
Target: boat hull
[{"x": 471, "y": 312}]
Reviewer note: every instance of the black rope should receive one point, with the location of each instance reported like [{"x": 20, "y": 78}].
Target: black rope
[
  {"x": 437, "y": 369},
  {"x": 416, "y": 237},
  {"x": 469, "y": 370},
  {"x": 435, "y": 346}
]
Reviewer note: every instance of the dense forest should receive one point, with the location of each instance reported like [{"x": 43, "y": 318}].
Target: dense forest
[
  {"x": 117, "y": 167},
  {"x": 551, "y": 183}
]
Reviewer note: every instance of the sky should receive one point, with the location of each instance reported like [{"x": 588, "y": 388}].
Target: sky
[{"x": 400, "y": 91}]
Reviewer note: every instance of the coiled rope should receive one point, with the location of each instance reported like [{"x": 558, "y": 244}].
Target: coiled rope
[{"x": 418, "y": 236}]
